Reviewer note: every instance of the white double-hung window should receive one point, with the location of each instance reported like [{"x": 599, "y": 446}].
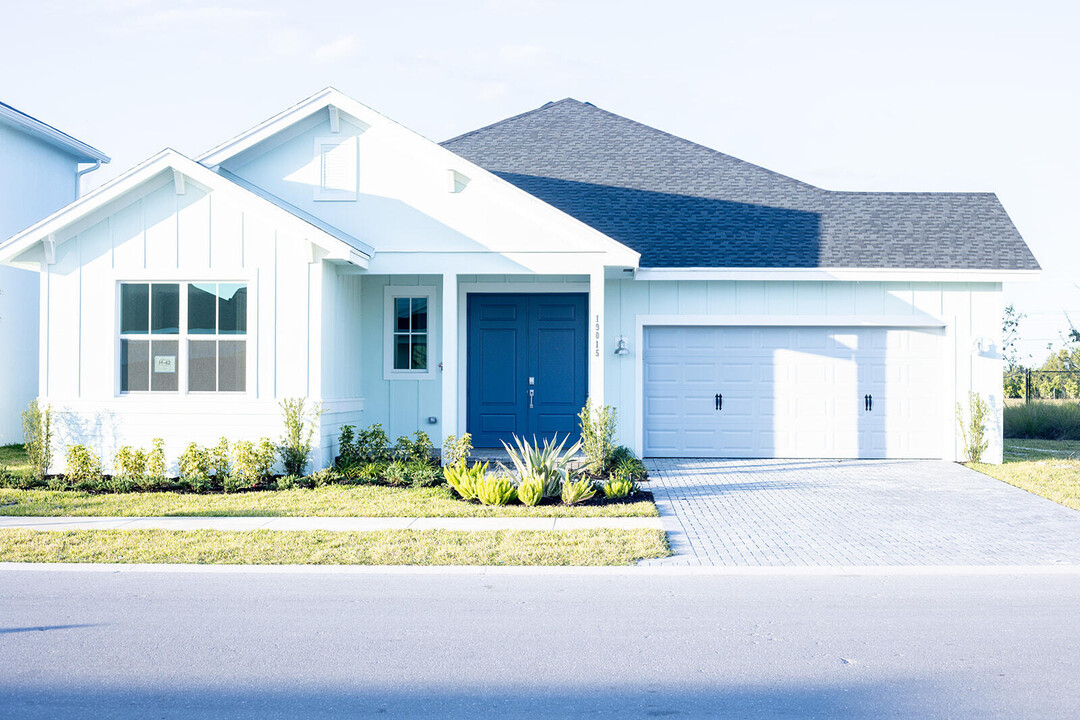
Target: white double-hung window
[
  {"x": 183, "y": 337},
  {"x": 409, "y": 341}
]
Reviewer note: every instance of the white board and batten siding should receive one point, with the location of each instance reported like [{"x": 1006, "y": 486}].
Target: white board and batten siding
[
  {"x": 159, "y": 235},
  {"x": 794, "y": 362}
]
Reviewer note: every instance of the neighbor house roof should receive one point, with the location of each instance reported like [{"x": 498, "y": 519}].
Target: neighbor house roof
[
  {"x": 29, "y": 124},
  {"x": 681, "y": 204}
]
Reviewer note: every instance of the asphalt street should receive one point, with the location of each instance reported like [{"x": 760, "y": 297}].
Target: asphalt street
[{"x": 626, "y": 644}]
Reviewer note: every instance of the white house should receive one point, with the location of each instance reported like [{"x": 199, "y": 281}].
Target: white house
[
  {"x": 39, "y": 173},
  {"x": 490, "y": 283}
]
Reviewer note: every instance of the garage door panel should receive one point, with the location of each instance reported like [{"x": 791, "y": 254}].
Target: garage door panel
[{"x": 792, "y": 392}]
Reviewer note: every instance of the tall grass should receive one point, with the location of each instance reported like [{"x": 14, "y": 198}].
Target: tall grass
[{"x": 1043, "y": 420}]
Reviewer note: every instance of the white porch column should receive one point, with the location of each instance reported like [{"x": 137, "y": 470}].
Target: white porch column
[
  {"x": 449, "y": 374},
  {"x": 597, "y": 345}
]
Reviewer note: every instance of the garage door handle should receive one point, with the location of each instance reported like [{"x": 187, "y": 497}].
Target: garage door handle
[
  {"x": 868, "y": 402},
  {"x": 719, "y": 401}
]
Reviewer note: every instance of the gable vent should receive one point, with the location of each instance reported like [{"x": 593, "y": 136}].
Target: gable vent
[{"x": 336, "y": 158}]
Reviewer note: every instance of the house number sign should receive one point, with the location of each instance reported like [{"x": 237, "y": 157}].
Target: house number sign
[
  {"x": 164, "y": 363},
  {"x": 596, "y": 337}
]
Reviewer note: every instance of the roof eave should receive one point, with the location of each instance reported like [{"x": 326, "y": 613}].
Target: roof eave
[{"x": 82, "y": 151}]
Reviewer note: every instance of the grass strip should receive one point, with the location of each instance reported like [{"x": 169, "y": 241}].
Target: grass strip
[
  {"x": 321, "y": 547},
  {"x": 329, "y": 501},
  {"x": 1042, "y": 467}
]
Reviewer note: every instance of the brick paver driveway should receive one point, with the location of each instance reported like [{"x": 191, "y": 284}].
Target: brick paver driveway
[{"x": 854, "y": 512}]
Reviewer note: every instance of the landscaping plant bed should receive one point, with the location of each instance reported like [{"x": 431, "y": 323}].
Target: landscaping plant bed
[{"x": 1050, "y": 469}]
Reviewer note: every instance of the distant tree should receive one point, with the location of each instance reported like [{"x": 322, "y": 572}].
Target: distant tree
[{"x": 1010, "y": 332}]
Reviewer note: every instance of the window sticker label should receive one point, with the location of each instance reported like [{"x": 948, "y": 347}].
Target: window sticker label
[{"x": 164, "y": 363}]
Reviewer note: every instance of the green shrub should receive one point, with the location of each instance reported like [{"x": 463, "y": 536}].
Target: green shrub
[
  {"x": 155, "y": 459},
  {"x": 19, "y": 481},
  {"x": 364, "y": 472},
  {"x": 234, "y": 483},
  {"x": 530, "y": 490},
  {"x": 252, "y": 463},
  {"x": 194, "y": 483},
  {"x": 576, "y": 491},
  {"x": 422, "y": 474},
  {"x": 195, "y": 464},
  {"x": 300, "y": 422},
  {"x": 973, "y": 431},
  {"x": 597, "y": 435},
  {"x": 495, "y": 490},
  {"x": 624, "y": 462},
  {"x": 130, "y": 461},
  {"x": 456, "y": 449},
  {"x": 396, "y": 474},
  {"x": 154, "y": 483},
  {"x": 327, "y": 476},
  {"x": 617, "y": 487},
  {"x": 221, "y": 459},
  {"x": 463, "y": 478},
  {"x": 38, "y": 437},
  {"x": 417, "y": 448},
  {"x": 119, "y": 484},
  {"x": 548, "y": 462},
  {"x": 288, "y": 482},
  {"x": 370, "y": 445},
  {"x": 1043, "y": 420},
  {"x": 82, "y": 465}
]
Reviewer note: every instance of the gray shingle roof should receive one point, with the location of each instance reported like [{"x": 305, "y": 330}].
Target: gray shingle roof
[{"x": 681, "y": 204}]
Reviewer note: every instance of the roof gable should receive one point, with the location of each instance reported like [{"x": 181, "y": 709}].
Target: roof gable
[
  {"x": 337, "y": 246},
  {"x": 681, "y": 204}
]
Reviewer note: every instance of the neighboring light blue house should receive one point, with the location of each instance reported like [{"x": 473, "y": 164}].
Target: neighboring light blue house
[
  {"x": 493, "y": 282},
  {"x": 39, "y": 173}
]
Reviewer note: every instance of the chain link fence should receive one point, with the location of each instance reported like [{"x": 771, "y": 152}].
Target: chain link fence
[{"x": 1028, "y": 385}]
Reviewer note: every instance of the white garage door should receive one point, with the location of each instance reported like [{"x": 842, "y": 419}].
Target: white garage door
[{"x": 807, "y": 392}]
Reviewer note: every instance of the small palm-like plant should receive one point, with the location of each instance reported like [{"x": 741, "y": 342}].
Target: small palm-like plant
[
  {"x": 617, "y": 487},
  {"x": 495, "y": 490},
  {"x": 548, "y": 462},
  {"x": 463, "y": 478},
  {"x": 575, "y": 491},
  {"x": 530, "y": 490}
]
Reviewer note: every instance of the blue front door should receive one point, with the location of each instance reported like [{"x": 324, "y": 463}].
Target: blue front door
[{"x": 527, "y": 369}]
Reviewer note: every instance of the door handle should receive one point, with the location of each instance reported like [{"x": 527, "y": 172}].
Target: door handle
[
  {"x": 868, "y": 403},
  {"x": 531, "y": 393},
  {"x": 719, "y": 399}
]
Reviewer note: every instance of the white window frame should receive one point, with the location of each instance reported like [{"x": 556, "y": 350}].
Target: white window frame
[
  {"x": 183, "y": 337},
  {"x": 390, "y": 294},
  {"x": 323, "y": 194}
]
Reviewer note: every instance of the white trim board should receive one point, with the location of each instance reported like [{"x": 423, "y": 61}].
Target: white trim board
[{"x": 837, "y": 274}]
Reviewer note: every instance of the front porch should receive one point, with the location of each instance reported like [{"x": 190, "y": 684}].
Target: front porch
[{"x": 452, "y": 353}]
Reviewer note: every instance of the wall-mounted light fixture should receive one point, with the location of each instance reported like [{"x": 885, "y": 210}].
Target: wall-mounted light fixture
[
  {"x": 620, "y": 346},
  {"x": 982, "y": 345}
]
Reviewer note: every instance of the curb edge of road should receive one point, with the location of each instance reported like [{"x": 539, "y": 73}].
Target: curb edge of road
[{"x": 728, "y": 571}]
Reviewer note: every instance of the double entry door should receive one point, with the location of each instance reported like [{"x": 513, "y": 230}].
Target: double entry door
[{"x": 527, "y": 368}]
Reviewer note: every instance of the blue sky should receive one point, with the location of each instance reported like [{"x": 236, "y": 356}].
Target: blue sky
[{"x": 846, "y": 95}]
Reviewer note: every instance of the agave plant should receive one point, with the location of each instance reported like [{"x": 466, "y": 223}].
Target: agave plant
[
  {"x": 548, "y": 462},
  {"x": 575, "y": 491}
]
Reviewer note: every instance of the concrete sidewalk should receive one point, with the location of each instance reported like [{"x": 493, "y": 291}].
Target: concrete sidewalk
[{"x": 336, "y": 524}]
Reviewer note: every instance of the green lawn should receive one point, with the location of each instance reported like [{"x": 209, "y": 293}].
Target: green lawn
[
  {"x": 13, "y": 457},
  {"x": 329, "y": 501},
  {"x": 1050, "y": 468},
  {"x": 387, "y": 547}
]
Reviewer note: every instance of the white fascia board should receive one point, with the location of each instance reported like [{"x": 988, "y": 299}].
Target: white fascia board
[
  {"x": 838, "y": 274},
  {"x": 164, "y": 161},
  {"x": 618, "y": 255},
  {"x": 82, "y": 151}
]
